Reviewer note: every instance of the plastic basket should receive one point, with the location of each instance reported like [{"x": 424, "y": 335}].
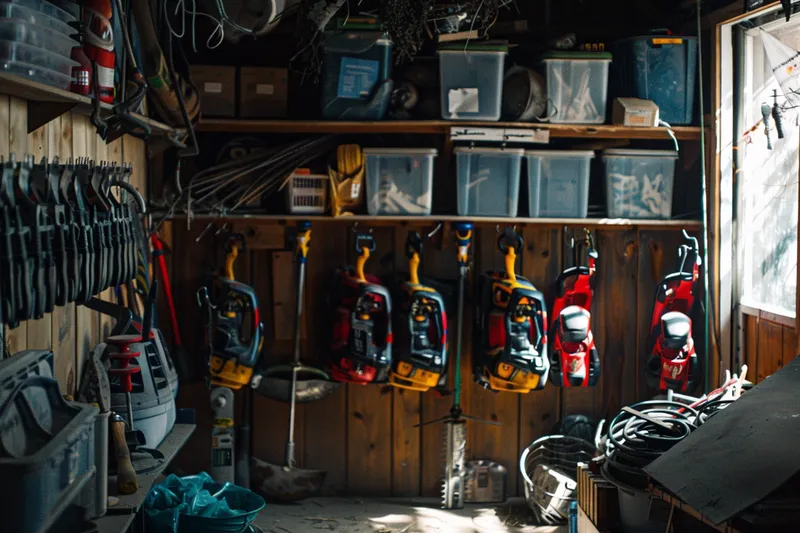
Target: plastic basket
[{"x": 307, "y": 193}]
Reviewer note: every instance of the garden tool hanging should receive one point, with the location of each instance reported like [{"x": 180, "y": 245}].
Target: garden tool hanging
[
  {"x": 672, "y": 362},
  {"x": 297, "y": 381},
  {"x": 455, "y": 423},
  {"x": 234, "y": 348},
  {"x": 361, "y": 347},
  {"x": 420, "y": 354},
  {"x": 574, "y": 359},
  {"x": 510, "y": 328},
  {"x": 287, "y": 483}
]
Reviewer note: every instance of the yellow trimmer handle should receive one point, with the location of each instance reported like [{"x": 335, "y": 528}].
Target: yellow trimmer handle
[
  {"x": 230, "y": 259},
  {"x": 360, "y": 262},
  {"x": 511, "y": 259},
  {"x": 303, "y": 240},
  {"x": 413, "y": 269}
]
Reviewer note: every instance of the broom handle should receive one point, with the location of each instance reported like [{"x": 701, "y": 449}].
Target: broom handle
[
  {"x": 303, "y": 242},
  {"x": 463, "y": 239}
]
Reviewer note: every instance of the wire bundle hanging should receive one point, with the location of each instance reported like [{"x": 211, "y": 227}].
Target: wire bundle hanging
[{"x": 231, "y": 185}]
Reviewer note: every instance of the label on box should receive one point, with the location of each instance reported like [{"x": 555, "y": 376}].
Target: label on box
[
  {"x": 638, "y": 117},
  {"x": 265, "y": 89},
  {"x": 463, "y": 101},
  {"x": 355, "y": 191},
  {"x": 212, "y": 87},
  {"x": 667, "y": 40},
  {"x": 357, "y": 77}
]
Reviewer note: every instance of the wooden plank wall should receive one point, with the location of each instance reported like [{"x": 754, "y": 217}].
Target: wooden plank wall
[
  {"x": 364, "y": 436},
  {"x": 768, "y": 346},
  {"x": 70, "y": 331}
]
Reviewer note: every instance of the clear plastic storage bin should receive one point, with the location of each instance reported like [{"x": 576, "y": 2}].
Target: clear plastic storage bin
[
  {"x": 15, "y": 11},
  {"x": 472, "y": 82},
  {"x": 399, "y": 180},
  {"x": 639, "y": 183},
  {"x": 488, "y": 181},
  {"x": 50, "y": 9},
  {"x": 37, "y": 58},
  {"x": 558, "y": 183},
  {"x": 577, "y": 86},
  {"x": 38, "y": 36}
]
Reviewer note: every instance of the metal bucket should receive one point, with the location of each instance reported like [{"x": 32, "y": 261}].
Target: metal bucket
[{"x": 548, "y": 468}]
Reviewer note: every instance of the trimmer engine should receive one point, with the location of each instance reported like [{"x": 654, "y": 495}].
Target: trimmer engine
[
  {"x": 420, "y": 357},
  {"x": 361, "y": 347},
  {"x": 672, "y": 362},
  {"x": 574, "y": 360},
  {"x": 511, "y": 328}
]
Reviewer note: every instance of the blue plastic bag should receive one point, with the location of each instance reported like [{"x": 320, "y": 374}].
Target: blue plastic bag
[{"x": 199, "y": 503}]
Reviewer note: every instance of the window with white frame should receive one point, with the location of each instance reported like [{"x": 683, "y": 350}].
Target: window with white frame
[{"x": 767, "y": 181}]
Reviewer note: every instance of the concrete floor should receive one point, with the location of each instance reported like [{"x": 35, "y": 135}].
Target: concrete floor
[{"x": 400, "y": 515}]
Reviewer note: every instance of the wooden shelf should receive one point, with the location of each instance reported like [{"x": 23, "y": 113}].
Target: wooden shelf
[
  {"x": 439, "y": 127},
  {"x": 121, "y": 515},
  {"x": 51, "y": 102},
  {"x": 604, "y": 223}
]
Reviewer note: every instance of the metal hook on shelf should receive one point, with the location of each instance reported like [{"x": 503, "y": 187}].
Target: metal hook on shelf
[{"x": 435, "y": 230}]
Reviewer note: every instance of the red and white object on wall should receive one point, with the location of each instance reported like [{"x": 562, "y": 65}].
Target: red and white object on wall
[{"x": 99, "y": 45}]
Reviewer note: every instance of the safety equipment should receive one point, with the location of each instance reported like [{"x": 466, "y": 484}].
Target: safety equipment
[
  {"x": 511, "y": 327},
  {"x": 420, "y": 355},
  {"x": 672, "y": 362},
  {"x": 361, "y": 347},
  {"x": 574, "y": 359}
]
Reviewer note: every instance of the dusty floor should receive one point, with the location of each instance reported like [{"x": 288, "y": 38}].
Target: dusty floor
[{"x": 417, "y": 515}]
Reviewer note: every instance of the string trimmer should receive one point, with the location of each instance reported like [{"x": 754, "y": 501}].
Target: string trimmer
[
  {"x": 288, "y": 483},
  {"x": 455, "y": 429},
  {"x": 420, "y": 355},
  {"x": 511, "y": 327}
]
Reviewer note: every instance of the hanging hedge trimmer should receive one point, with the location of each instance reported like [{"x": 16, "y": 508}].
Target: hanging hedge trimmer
[{"x": 455, "y": 428}]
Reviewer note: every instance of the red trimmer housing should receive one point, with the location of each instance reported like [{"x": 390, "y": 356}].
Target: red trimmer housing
[
  {"x": 574, "y": 359},
  {"x": 361, "y": 345},
  {"x": 672, "y": 362}
]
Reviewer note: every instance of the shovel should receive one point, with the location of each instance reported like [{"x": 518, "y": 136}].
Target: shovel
[{"x": 287, "y": 483}]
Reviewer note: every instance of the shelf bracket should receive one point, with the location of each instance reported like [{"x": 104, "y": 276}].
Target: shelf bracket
[{"x": 40, "y": 113}]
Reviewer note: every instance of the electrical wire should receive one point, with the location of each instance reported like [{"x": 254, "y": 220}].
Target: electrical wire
[
  {"x": 703, "y": 173},
  {"x": 219, "y": 27}
]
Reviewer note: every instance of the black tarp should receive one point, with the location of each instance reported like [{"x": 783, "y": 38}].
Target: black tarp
[{"x": 741, "y": 455}]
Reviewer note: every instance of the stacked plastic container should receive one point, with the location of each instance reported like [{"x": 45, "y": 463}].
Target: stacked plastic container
[
  {"x": 399, "y": 180},
  {"x": 35, "y": 41},
  {"x": 577, "y": 86},
  {"x": 558, "y": 183},
  {"x": 471, "y": 81},
  {"x": 488, "y": 181},
  {"x": 639, "y": 183}
]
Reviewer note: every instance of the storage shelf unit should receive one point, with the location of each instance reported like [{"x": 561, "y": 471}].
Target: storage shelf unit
[
  {"x": 439, "y": 127},
  {"x": 52, "y": 102},
  {"x": 603, "y": 223}
]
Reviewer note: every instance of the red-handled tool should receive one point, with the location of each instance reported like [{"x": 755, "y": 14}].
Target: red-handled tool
[
  {"x": 179, "y": 356},
  {"x": 121, "y": 359}
]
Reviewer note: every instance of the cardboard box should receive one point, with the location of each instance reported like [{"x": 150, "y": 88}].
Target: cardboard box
[
  {"x": 217, "y": 86},
  {"x": 263, "y": 92},
  {"x": 634, "y": 112}
]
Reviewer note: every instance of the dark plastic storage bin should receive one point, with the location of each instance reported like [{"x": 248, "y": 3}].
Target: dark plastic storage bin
[
  {"x": 558, "y": 183},
  {"x": 47, "y": 453},
  {"x": 661, "y": 69},
  {"x": 355, "y": 68}
]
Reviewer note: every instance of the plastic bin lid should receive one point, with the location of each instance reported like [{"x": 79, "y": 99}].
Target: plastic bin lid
[
  {"x": 632, "y": 152},
  {"x": 459, "y": 46},
  {"x": 560, "y": 153},
  {"x": 481, "y": 149},
  {"x": 577, "y": 54},
  {"x": 401, "y": 151},
  {"x": 675, "y": 39}
]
